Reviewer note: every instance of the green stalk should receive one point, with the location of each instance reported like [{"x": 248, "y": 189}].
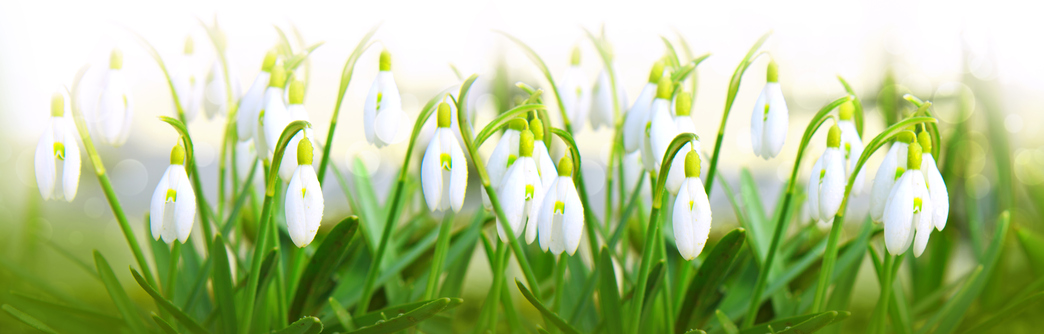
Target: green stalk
[
  {"x": 560, "y": 271},
  {"x": 219, "y": 46},
  {"x": 441, "y": 247},
  {"x": 880, "y": 315},
  {"x": 781, "y": 224},
  {"x": 346, "y": 78},
  {"x": 103, "y": 180},
  {"x": 172, "y": 274}
]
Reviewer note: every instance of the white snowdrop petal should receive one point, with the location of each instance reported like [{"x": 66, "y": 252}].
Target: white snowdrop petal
[
  {"x": 71, "y": 169},
  {"x": 757, "y": 122},
  {"x": 545, "y": 216},
  {"x": 937, "y": 191},
  {"x": 545, "y": 166},
  {"x": 157, "y": 207},
  {"x": 684, "y": 229},
  {"x": 370, "y": 112},
  {"x": 883, "y": 181},
  {"x": 496, "y": 165},
  {"x": 533, "y": 179},
  {"x": 184, "y": 204},
  {"x": 832, "y": 188},
  {"x": 250, "y": 106},
  {"x": 573, "y": 223},
  {"x": 637, "y": 116},
  {"x": 922, "y": 221},
  {"x": 44, "y": 162},
  {"x": 898, "y": 215},
  {"x": 458, "y": 175},
  {"x": 295, "y": 210},
  {"x": 813, "y": 190},
  {"x": 676, "y": 175},
  {"x": 314, "y": 203},
  {"x": 662, "y": 130},
  {"x": 512, "y": 196},
  {"x": 702, "y": 212},
  {"x": 776, "y": 124},
  {"x": 431, "y": 174}
]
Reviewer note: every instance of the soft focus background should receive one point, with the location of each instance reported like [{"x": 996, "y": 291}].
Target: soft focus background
[{"x": 987, "y": 53}]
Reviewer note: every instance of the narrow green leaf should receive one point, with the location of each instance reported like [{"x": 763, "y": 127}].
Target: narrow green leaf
[
  {"x": 371, "y": 214},
  {"x": 726, "y": 323},
  {"x": 814, "y": 324},
  {"x": 405, "y": 320},
  {"x": 1033, "y": 244},
  {"x": 550, "y": 316},
  {"x": 547, "y": 74},
  {"x": 1007, "y": 313},
  {"x": 502, "y": 120},
  {"x": 672, "y": 55},
  {"x": 222, "y": 283},
  {"x": 758, "y": 224},
  {"x": 343, "y": 317},
  {"x": 709, "y": 277},
  {"x": 28, "y": 319},
  {"x": 954, "y": 310},
  {"x": 696, "y": 331},
  {"x": 316, "y": 282},
  {"x": 163, "y": 325},
  {"x": 609, "y": 295},
  {"x": 378, "y": 315},
  {"x": 306, "y": 325},
  {"x": 119, "y": 297},
  {"x": 62, "y": 310},
  {"x": 780, "y": 324},
  {"x": 69, "y": 255},
  {"x": 189, "y": 323},
  {"x": 295, "y": 61}
]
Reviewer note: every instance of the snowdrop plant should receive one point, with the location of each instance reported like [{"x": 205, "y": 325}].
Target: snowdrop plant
[
  {"x": 112, "y": 114},
  {"x": 444, "y": 170},
  {"x": 188, "y": 82},
  {"x": 890, "y": 170},
  {"x": 254, "y": 99},
  {"x": 574, "y": 92},
  {"x": 909, "y": 210},
  {"x": 660, "y": 128},
  {"x": 561, "y": 214},
  {"x": 304, "y": 197},
  {"x": 58, "y": 155},
  {"x": 521, "y": 191},
  {"x": 296, "y": 112},
  {"x": 382, "y": 111},
  {"x": 504, "y": 155},
  {"x": 934, "y": 182},
  {"x": 638, "y": 116},
  {"x": 826, "y": 185},
  {"x": 173, "y": 209},
  {"x": 683, "y": 124},
  {"x": 769, "y": 121}
]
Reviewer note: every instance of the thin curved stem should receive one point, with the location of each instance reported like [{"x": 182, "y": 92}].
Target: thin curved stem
[{"x": 346, "y": 78}]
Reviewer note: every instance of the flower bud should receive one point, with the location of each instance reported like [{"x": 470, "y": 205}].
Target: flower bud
[
  {"x": 270, "y": 60},
  {"x": 278, "y": 78},
  {"x": 385, "y": 61},
  {"x": 444, "y": 115},
  {"x": 913, "y": 161},
  {"x": 772, "y": 74},
  {"x": 657, "y": 72},
  {"x": 682, "y": 104},
  {"x": 177, "y": 155},
  {"x": 575, "y": 59},
  {"x": 846, "y": 110},
  {"x": 189, "y": 45},
  {"x": 565, "y": 166},
  {"x": 304, "y": 151},
  {"x": 116, "y": 59},
  {"x": 906, "y": 136},
  {"x": 834, "y": 137},
  {"x": 518, "y": 124},
  {"x": 692, "y": 164},
  {"x": 525, "y": 144},
  {"x": 925, "y": 140},
  {"x": 296, "y": 92},
  {"x": 664, "y": 88},
  {"x": 537, "y": 127},
  {"x": 57, "y": 105}
]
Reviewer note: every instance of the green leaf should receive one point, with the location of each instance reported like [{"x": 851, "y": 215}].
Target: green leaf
[
  {"x": 609, "y": 295},
  {"x": 406, "y": 320},
  {"x": 346, "y": 78},
  {"x": 292, "y": 63},
  {"x": 28, "y": 319},
  {"x": 163, "y": 325},
  {"x": 758, "y": 223},
  {"x": 316, "y": 282},
  {"x": 502, "y": 119},
  {"x": 119, "y": 297},
  {"x": 672, "y": 55},
  {"x": 709, "y": 277},
  {"x": 370, "y": 211},
  {"x": 189, "y": 323},
  {"x": 726, "y": 323},
  {"x": 550, "y": 316},
  {"x": 306, "y": 325},
  {"x": 793, "y": 322},
  {"x": 62, "y": 310},
  {"x": 547, "y": 74},
  {"x": 1033, "y": 244},
  {"x": 378, "y": 315},
  {"x": 343, "y": 317},
  {"x": 1007, "y": 313},
  {"x": 222, "y": 283},
  {"x": 814, "y": 324}
]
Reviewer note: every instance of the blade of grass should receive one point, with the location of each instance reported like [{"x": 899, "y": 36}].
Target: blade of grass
[
  {"x": 28, "y": 319},
  {"x": 315, "y": 283},
  {"x": 185, "y": 319},
  {"x": 726, "y": 323},
  {"x": 406, "y": 320},
  {"x": 306, "y": 325},
  {"x": 163, "y": 325},
  {"x": 343, "y": 317},
  {"x": 609, "y": 295},
  {"x": 119, "y": 296},
  {"x": 1007, "y": 313},
  {"x": 551, "y": 316},
  {"x": 814, "y": 324},
  {"x": 222, "y": 285},
  {"x": 709, "y": 278}
]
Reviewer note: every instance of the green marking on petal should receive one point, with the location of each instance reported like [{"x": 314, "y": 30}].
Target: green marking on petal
[
  {"x": 848, "y": 150},
  {"x": 822, "y": 174},
  {"x": 172, "y": 195},
  {"x": 445, "y": 161},
  {"x": 917, "y": 205},
  {"x": 559, "y": 207},
  {"x": 899, "y": 172},
  {"x": 303, "y": 191},
  {"x": 511, "y": 159},
  {"x": 59, "y": 150},
  {"x": 380, "y": 96},
  {"x": 690, "y": 205},
  {"x": 529, "y": 192},
  {"x": 765, "y": 115}
]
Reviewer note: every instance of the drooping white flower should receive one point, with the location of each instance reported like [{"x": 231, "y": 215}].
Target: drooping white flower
[
  {"x": 561, "y": 220},
  {"x": 683, "y": 123},
  {"x": 638, "y": 116},
  {"x": 826, "y": 185},
  {"x": 891, "y": 169},
  {"x": 444, "y": 170},
  {"x": 852, "y": 145},
  {"x": 383, "y": 118},
  {"x": 113, "y": 111},
  {"x": 250, "y": 106},
  {"x": 909, "y": 210},
  {"x": 188, "y": 82},
  {"x": 574, "y": 94},
  {"x": 692, "y": 211},
  {"x": 503, "y": 156},
  {"x": 933, "y": 179},
  {"x": 545, "y": 166},
  {"x": 246, "y": 158},
  {"x": 296, "y": 112},
  {"x": 602, "y": 108},
  {"x": 520, "y": 192},
  {"x": 304, "y": 198},
  {"x": 273, "y": 116},
  {"x": 173, "y": 209},
  {"x": 768, "y": 122},
  {"x": 660, "y": 130},
  {"x": 215, "y": 99},
  {"x": 58, "y": 149}
]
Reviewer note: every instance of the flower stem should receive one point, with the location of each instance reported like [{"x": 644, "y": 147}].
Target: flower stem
[
  {"x": 441, "y": 247},
  {"x": 172, "y": 274},
  {"x": 346, "y": 78}
]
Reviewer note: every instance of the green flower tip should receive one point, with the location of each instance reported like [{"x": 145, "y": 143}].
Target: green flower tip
[
  {"x": 772, "y": 74},
  {"x": 296, "y": 92},
  {"x": 304, "y": 151},
  {"x": 683, "y": 104},
  {"x": 177, "y": 155},
  {"x": 565, "y": 166},
  {"x": 906, "y": 136},
  {"x": 444, "y": 115},
  {"x": 913, "y": 156},
  {"x": 834, "y": 137},
  {"x": 116, "y": 59},
  {"x": 57, "y": 105},
  {"x": 525, "y": 144},
  {"x": 385, "y": 60},
  {"x": 925, "y": 140},
  {"x": 575, "y": 59},
  {"x": 278, "y": 78},
  {"x": 538, "y": 129},
  {"x": 657, "y": 72},
  {"x": 270, "y": 60},
  {"x": 518, "y": 124},
  {"x": 190, "y": 47},
  {"x": 692, "y": 164},
  {"x": 846, "y": 110},
  {"x": 664, "y": 88}
]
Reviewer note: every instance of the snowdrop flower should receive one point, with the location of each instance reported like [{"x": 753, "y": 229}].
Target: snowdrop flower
[
  {"x": 692, "y": 211},
  {"x": 504, "y": 154},
  {"x": 383, "y": 117},
  {"x": 852, "y": 145},
  {"x": 296, "y": 112},
  {"x": 444, "y": 170},
  {"x": 304, "y": 198},
  {"x": 684, "y": 124},
  {"x": 826, "y": 185},
  {"x": 891, "y": 169},
  {"x": 909, "y": 210},
  {"x": 58, "y": 149},
  {"x": 934, "y": 181},
  {"x": 273, "y": 115},
  {"x": 638, "y": 116},
  {"x": 660, "y": 129},
  {"x": 545, "y": 166},
  {"x": 521, "y": 192},
  {"x": 768, "y": 122},
  {"x": 602, "y": 112},
  {"x": 561, "y": 219},
  {"x": 215, "y": 101},
  {"x": 246, "y": 158},
  {"x": 113, "y": 111},
  {"x": 254, "y": 99},
  {"x": 575, "y": 97},
  {"x": 187, "y": 82},
  {"x": 173, "y": 209}
]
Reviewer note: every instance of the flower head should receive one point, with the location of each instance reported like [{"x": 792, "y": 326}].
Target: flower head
[
  {"x": 444, "y": 170},
  {"x": 503, "y": 156},
  {"x": 545, "y": 166},
  {"x": 891, "y": 169},
  {"x": 934, "y": 181},
  {"x": 521, "y": 192},
  {"x": 851, "y": 144},
  {"x": 602, "y": 111},
  {"x": 296, "y": 112},
  {"x": 113, "y": 111},
  {"x": 273, "y": 116},
  {"x": 304, "y": 198},
  {"x": 909, "y": 210},
  {"x": 660, "y": 130},
  {"x": 383, "y": 118},
  {"x": 561, "y": 218},
  {"x": 188, "y": 82},
  {"x": 684, "y": 124},
  {"x": 638, "y": 116},
  {"x": 58, "y": 149},
  {"x": 768, "y": 122},
  {"x": 254, "y": 99},
  {"x": 692, "y": 211},
  {"x": 574, "y": 94},
  {"x": 826, "y": 185},
  {"x": 173, "y": 209}
]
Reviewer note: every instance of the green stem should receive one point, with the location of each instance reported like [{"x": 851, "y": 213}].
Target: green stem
[
  {"x": 560, "y": 271},
  {"x": 172, "y": 274},
  {"x": 441, "y": 247},
  {"x": 880, "y": 315},
  {"x": 346, "y": 78}
]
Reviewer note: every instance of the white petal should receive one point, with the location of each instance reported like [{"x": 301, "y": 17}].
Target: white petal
[
  {"x": 289, "y": 162},
  {"x": 71, "y": 169},
  {"x": 532, "y": 178},
  {"x": 458, "y": 174},
  {"x": 313, "y": 200},
  {"x": 898, "y": 216},
  {"x": 389, "y": 119},
  {"x": 545, "y": 166},
  {"x": 676, "y": 175},
  {"x": 662, "y": 130},
  {"x": 702, "y": 212},
  {"x": 44, "y": 162},
  {"x": 637, "y": 117},
  {"x": 757, "y": 122},
  {"x": 431, "y": 174},
  {"x": 184, "y": 204},
  {"x": 814, "y": 182},
  {"x": 304, "y": 206},
  {"x": 546, "y": 214},
  {"x": 246, "y": 158},
  {"x": 922, "y": 220},
  {"x": 157, "y": 208},
  {"x": 112, "y": 107},
  {"x": 496, "y": 165},
  {"x": 776, "y": 124},
  {"x": 852, "y": 146},
  {"x": 602, "y": 102},
  {"x": 512, "y": 197},
  {"x": 937, "y": 190},
  {"x": 573, "y": 223},
  {"x": 250, "y": 106},
  {"x": 832, "y": 187},
  {"x": 684, "y": 234},
  {"x": 883, "y": 181}
]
